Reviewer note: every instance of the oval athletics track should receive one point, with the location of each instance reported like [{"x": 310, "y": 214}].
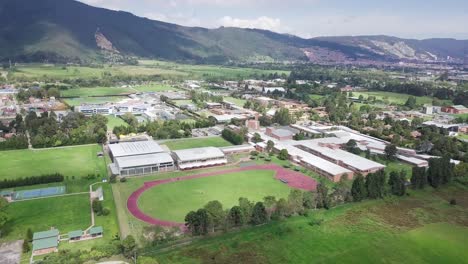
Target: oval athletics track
[{"x": 294, "y": 180}]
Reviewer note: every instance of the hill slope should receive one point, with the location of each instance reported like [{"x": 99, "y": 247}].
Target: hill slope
[{"x": 67, "y": 30}]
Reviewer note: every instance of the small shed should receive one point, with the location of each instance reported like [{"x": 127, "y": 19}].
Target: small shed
[
  {"x": 75, "y": 235},
  {"x": 96, "y": 231}
]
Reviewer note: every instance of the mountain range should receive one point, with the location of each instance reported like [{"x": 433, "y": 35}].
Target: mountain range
[{"x": 71, "y": 31}]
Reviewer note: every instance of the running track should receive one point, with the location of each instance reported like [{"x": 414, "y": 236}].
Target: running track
[{"x": 295, "y": 180}]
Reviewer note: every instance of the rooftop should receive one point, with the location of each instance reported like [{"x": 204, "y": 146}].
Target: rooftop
[
  {"x": 46, "y": 234},
  {"x": 74, "y": 234},
  {"x": 143, "y": 160},
  {"x": 198, "y": 153},
  {"x": 45, "y": 243},
  {"x": 95, "y": 230},
  {"x": 135, "y": 148}
]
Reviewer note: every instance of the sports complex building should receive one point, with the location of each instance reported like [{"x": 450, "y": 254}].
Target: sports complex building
[
  {"x": 139, "y": 158},
  {"x": 199, "y": 158}
]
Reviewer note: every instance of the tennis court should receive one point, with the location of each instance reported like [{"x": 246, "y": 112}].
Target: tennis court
[{"x": 43, "y": 192}]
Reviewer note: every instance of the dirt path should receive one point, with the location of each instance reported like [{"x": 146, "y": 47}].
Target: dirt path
[{"x": 294, "y": 179}]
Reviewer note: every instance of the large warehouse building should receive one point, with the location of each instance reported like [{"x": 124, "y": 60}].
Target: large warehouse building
[
  {"x": 139, "y": 158},
  {"x": 199, "y": 158}
]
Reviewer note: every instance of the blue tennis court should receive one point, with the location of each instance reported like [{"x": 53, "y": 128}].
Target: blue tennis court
[{"x": 35, "y": 193}]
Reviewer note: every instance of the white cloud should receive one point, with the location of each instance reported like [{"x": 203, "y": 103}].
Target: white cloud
[{"x": 262, "y": 22}]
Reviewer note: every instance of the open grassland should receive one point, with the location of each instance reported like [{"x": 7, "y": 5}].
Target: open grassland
[
  {"x": 197, "y": 143},
  {"x": 397, "y": 98},
  {"x": 96, "y": 91},
  {"x": 113, "y": 121},
  {"x": 166, "y": 70},
  {"x": 77, "y": 161},
  {"x": 420, "y": 228},
  {"x": 65, "y": 213},
  {"x": 93, "y": 100},
  {"x": 236, "y": 101},
  {"x": 173, "y": 201},
  {"x": 154, "y": 87}
]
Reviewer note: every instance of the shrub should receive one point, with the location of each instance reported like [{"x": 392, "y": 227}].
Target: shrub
[
  {"x": 315, "y": 222},
  {"x": 123, "y": 179},
  {"x": 453, "y": 202}
]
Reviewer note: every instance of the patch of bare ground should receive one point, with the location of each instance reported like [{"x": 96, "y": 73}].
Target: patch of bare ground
[{"x": 244, "y": 253}]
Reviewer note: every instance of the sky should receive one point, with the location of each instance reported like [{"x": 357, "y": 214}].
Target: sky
[{"x": 311, "y": 18}]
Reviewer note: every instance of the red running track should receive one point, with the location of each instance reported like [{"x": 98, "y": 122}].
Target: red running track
[{"x": 295, "y": 180}]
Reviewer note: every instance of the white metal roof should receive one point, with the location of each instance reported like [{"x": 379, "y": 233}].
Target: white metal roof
[
  {"x": 135, "y": 148},
  {"x": 143, "y": 160},
  {"x": 198, "y": 154}
]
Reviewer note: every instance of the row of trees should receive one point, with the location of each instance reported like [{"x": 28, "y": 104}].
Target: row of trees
[
  {"x": 233, "y": 137},
  {"x": 213, "y": 217},
  {"x": 375, "y": 185},
  {"x": 15, "y": 142},
  {"x": 33, "y": 180}
]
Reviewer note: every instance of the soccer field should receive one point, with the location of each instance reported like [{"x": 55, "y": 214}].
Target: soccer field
[
  {"x": 172, "y": 201},
  {"x": 75, "y": 161}
]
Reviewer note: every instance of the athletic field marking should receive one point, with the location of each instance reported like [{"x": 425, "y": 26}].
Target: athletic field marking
[{"x": 294, "y": 179}]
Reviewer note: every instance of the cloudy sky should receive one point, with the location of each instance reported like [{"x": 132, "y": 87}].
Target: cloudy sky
[{"x": 310, "y": 18}]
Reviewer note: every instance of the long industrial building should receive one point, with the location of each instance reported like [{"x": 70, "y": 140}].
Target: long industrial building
[{"x": 139, "y": 158}]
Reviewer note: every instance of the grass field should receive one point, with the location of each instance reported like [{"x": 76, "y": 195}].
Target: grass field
[
  {"x": 197, "y": 143},
  {"x": 155, "y": 87},
  {"x": 173, "y": 201},
  {"x": 70, "y": 161},
  {"x": 96, "y": 91},
  {"x": 113, "y": 121},
  {"x": 420, "y": 228},
  {"x": 64, "y": 213},
  {"x": 236, "y": 101},
  {"x": 93, "y": 100},
  {"x": 396, "y": 98}
]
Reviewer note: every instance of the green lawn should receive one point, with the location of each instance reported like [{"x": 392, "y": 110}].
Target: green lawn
[
  {"x": 96, "y": 91},
  {"x": 173, "y": 201},
  {"x": 197, "y": 143},
  {"x": 155, "y": 87},
  {"x": 64, "y": 213},
  {"x": 113, "y": 121},
  {"x": 420, "y": 228},
  {"x": 396, "y": 98},
  {"x": 76, "y": 161},
  {"x": 93, "y": 100},
  {"x": 236, "y": 101}
]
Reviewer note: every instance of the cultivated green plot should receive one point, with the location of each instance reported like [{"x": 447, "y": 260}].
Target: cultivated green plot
[
  {"x": 96, "y": 91},
  {"x": 397, "y": 98},
  {"x": 93, "y": 100},
  {"x": 197, "y": 143},
  {"x": 75, "y": 161},
  {"x": 173, "y": 201},
  {"x": 65, "y": 213}
]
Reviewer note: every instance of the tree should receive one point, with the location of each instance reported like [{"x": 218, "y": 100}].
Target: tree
[
  {"x": 257, "y": 138},
  {"x": 129, "y": 246},
  {"x": 246, "y": 207},
  {"x": 4, "y": 217},
  {"x": 322, "y": 196},
  {"x": 351, "y": 146},
  {"x": 308, "y": 200},
  {"x": 283, "y": 154},
  {"x": 397, "y": 183},
  {"x": 375, "y": 185},
  {"x": 259, "y": 214},
  {"x": 216, "y": 213},
  {"x": 235, "y": 216},
  {"x": 390, "y": 152},
  {"x": 358, "y": 189},
  {"x": 295, "y": 201},
  {"x": 281, "y": 209},
  {"x": 411, "y": 102},
  {"x": 418, "y": 178},
  {"x": 270, "y": 146},
  {"x": 97, "y": 207},
  {"x": 282, "y": 117}
]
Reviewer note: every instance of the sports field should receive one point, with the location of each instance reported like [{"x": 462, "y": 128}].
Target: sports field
[
  {"x": 173, "y": 201},
  {"x": 66, "y": 213},
  {"x": 420, "y": 228},
  {"x": 75, "y": 161},
  {"x": 96, "y": 91},
  {"x": 396, "y": 98},
  {"x": 197, "y": 143}
]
